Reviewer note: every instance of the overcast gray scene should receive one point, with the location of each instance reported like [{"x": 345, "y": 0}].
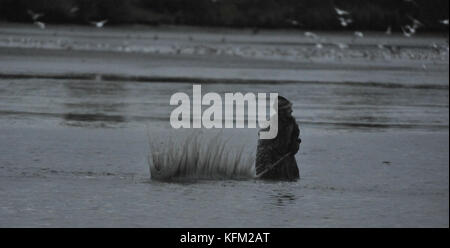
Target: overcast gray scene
[{"x": 85, "y": 137}]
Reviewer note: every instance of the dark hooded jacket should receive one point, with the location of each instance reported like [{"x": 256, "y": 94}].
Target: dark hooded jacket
[{"x": 270, "y": 151}]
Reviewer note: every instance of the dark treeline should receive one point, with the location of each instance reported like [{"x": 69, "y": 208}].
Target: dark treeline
[{"x": 304, "y": 14}]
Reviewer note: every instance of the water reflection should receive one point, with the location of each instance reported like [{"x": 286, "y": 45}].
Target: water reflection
[
  {"x": 283, "y": 198},
  {"x": 88, "y": 88},
  {"x": 323, "y": 106},
  {"x": 94, "y": 117},
  {"x": 361, "y": 106},
  {"x": 93, "y": 103}
]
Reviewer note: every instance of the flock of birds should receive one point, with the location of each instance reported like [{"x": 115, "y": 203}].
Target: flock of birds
[
  {"x": 344, "y": 17},
  {"x": 345, "y": 20},
  {"x": 36, "y": 16}
]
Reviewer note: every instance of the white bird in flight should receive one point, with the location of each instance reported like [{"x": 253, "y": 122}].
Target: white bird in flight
[
  {"x": 34, "y": 16},
  {"x": 41, "y": 25},
  {"x": 74, "y": 9},
  {"x": 445, "y": 22},
  {"x": 341, "y": 12},
  {"x": 311, "y": 35},
  {"x": 359, "y": 34},
  {"x": 416, "y": 23},
  {"x": 99, "y": 24},
  {"x": 408, "y": 31},
  {"x": 295, "y": 23},
  {"x": 345, "y": 21},
  {"x": 389, "y": 30}
]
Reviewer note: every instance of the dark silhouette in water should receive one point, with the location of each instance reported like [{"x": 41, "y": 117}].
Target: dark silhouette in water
[{"x": 275, "y": 158}]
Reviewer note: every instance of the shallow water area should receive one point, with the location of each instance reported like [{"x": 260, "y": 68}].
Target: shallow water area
[{"x": 74, "y": 150}]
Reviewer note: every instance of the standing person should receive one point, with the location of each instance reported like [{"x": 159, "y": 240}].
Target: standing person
[{"x": 279, "y": 152}]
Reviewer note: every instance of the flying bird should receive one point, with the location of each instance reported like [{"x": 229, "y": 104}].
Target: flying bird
[
  {"x": 341, "y": 12},
  {"x": 389, "y": 30},
  {"x": 408, "y": 31},
  {"x": 34, "y": 16},
  {"x": 41, "y": 25},
  {"x": 74, "y": 9},
  {"x": 295, "y": 23},
  {"x": 416, "y": 23},
  {"x": 445, "y": 22},
  {"x": 99, "y": 24},
  {"x": 359, "y": 34},
  {"x": 435, "y": 47},
  {"x": 345, "y": 21},
  {"x": 311, "y": 35}
]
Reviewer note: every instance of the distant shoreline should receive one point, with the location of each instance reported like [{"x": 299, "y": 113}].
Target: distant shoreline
[{"x": 223, "y": 29}]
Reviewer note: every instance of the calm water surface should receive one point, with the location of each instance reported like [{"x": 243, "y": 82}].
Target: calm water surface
[{"x": 74, "y": 153}]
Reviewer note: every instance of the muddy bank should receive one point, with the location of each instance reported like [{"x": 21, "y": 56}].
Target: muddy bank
[{"x": 194, "y": 53}]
